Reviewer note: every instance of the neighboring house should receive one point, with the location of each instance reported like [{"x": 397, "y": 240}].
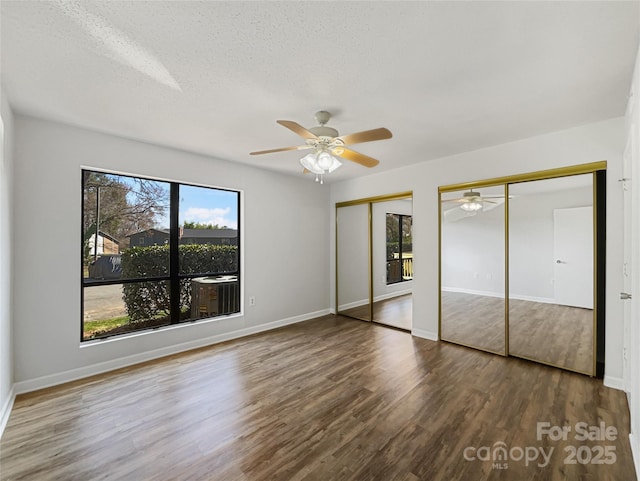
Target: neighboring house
[
  {"x": 106, "y": 244},
  {"x": 151, "y": 237},
  {"x": 209, "y": 236}
]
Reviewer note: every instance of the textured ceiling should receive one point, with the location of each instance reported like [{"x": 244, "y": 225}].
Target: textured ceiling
[{"x": 213, "y": 77}]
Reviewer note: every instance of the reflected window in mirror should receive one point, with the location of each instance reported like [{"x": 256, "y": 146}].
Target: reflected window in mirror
[{"x": 399, "y": 248}]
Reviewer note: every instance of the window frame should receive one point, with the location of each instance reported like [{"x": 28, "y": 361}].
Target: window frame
[
  {"x": 400, "y": 218},
  {"x": 175, "y": 277}
]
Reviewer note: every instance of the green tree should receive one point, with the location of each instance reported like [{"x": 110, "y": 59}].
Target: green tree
[
  {"x": 120, "y": 205},
  {"x": 199, "y": 225}
]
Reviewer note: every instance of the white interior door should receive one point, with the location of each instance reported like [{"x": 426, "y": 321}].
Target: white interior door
[
  {"x": 573, "y": 251},
  {"x": 627, "y": 287}
]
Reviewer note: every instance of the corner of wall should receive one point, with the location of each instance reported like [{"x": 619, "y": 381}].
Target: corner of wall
[
  {"x": 424, "y": 334},
  {"x": 5, "y": 410},
  {"x": 635, "y": 451},
  {"x": 7, "y": 395}
]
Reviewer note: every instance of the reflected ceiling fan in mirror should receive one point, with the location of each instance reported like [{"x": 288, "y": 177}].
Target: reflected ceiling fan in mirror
[
  {"x": 327, "y": 145},
  {"x": 473, "y": 201}
]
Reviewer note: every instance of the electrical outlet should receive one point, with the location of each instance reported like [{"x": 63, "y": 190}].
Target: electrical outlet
[{"x": 252, "y": 301}]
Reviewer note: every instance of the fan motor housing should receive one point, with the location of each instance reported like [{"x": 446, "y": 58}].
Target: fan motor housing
[{"x": 323, "y": 131}]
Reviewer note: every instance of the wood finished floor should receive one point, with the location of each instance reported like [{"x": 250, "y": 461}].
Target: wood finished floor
[
  {"x": 328, "y": 399},
  {"x": 558, "y": 335},
  {"x": 396, "y": 312}
]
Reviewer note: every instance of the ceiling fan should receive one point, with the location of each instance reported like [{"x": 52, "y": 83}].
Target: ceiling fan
[
  {"x": 326, "y": 145},
  {"x": 472, "y": 201}
]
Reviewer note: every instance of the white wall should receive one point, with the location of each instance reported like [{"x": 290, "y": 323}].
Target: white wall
[
  {"x": 531, "y": 234},
  {"x": 632, "y": 375},
  {"x": 285, "y": 252},
  {"x": 473, "y": 253},
  {"x": 6, "y": 291},
  {"x": 588, "y": 143}
]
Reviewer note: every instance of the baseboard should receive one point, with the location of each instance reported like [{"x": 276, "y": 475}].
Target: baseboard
[
  {"x": 391, "y": 295},
  {"x": 542, "y": 300},
  {"x": 351, "y": 305},
  {"x": 635, "y": 451},
  {"x": 615, "y": 383},
  {"x": 473, "y": 292},
  {"x": 381, "y": 297},
  {"x": 520, "y": 297},
  {"x": 421, "y": 333},
  {"x": 102, "y": 367},
  {"x": 6, "y": 410}
]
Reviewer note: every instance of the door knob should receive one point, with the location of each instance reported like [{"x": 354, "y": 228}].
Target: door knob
[
  {"x": 625, "y": 296},
  {"x": 560, "y": 262}
]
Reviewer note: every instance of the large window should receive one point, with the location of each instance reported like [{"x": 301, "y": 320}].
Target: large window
[
  {"x": 156, "y": 253},
  {"x": 399, "y": 248}
]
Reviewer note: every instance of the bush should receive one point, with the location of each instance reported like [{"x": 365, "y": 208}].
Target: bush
[
  {"x": 148, "y": 300},
  {"x": 394, "y": 246}
]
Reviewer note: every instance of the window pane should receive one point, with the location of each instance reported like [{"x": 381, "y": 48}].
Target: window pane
[
  {"x": 393, "y": 236},
  {"x": 208, "y": 220},
  {"x": 118, "y": 309},
  {"x": 131, "y": 217},
  {"x": 203, "y": 297},
  {"x": 407, "y": 248},
  {"x": 394, "y": 263},
  {"x": 126, "y": 229},
  {"x": 399, "y": 248}
]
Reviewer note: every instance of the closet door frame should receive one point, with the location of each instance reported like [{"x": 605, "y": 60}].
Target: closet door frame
[
  {"x": 369, "y": 201},
  {"x": 598, "y": 169}
]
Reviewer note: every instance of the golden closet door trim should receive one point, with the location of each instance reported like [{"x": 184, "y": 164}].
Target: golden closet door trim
[
  {"x": 590, "y": 168},
  {"x": 370, "y": 201}
]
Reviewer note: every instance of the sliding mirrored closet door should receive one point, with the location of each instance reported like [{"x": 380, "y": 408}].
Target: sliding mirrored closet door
[
  {"x": 472, "y": 245},
  {"x": 392, "y": 235},
  {"x": 374, "y": 259},
  {"x": 522, "y": 266},
  {"x": 352, "y": 256},
  {"x": 551, "y": 272}
]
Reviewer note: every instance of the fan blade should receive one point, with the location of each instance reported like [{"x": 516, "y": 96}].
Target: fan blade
[
  {"x": 357, "y": 157},
  {"x": 298, "y": 147},
  {"x": 366, "y": 136},
  {"x": 489, "y": 201},
  {"x": 297, "y": 128}
]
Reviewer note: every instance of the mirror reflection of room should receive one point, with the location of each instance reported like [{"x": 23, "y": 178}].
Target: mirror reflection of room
[
  {"x": 472, "y": 268},
  {"x": 392, "y": 230},
  {"x": 352, "y": 224},
  {"x": 551, "y": 271}
]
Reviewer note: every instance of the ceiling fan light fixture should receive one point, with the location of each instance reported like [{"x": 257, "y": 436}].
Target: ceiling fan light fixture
[
  {"x": 472, "y": 206},
  {"x": 320, "y": 162},
  {"x": 328, "y": 145}
]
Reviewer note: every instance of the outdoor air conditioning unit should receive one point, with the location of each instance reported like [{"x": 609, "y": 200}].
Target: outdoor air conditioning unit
[{"x": 213, "y": 296}]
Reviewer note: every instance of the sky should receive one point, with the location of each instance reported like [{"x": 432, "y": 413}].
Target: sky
[
  {"x": 208, "y": 206},
  {"x": 204, "y": 205}
]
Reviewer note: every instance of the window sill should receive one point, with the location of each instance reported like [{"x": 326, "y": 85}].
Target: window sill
[{"x": 147, "y": 332}]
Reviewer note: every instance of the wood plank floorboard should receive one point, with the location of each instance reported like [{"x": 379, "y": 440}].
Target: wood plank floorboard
[
  {"x": 327, "y": 399},
  {"x": 558, "y": 335},
  {"x": 396, "y": 312}
]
